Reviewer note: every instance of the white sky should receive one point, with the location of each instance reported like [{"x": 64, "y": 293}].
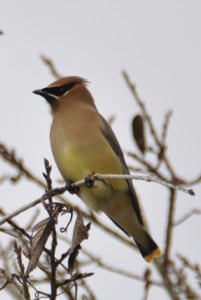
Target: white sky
[{"x": 159, "y": 44}]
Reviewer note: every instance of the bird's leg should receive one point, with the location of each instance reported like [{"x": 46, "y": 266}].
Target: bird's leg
[
  {"x": 89, "y": 180},
  {"x": 70, "y": 188}
]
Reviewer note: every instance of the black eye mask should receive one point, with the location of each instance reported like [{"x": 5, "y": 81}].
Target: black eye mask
[{"x": 58, "y": 90}]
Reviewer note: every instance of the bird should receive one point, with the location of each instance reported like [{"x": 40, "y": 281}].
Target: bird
[{"x": 83, "y": 143}]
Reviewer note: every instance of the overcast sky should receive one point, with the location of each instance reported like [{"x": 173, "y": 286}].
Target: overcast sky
[{"x": 159, "y": 44}]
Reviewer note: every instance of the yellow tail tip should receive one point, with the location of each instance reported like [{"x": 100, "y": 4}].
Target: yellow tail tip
[{"x": 156, "y": 253}]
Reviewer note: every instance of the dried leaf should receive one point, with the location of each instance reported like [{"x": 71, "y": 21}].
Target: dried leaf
[
  {"x": 80, "y": 233},
  {"x": 40, "y": 234},
  {"x": 72, "y": 258},
  {"x": 139, "y": 133}
]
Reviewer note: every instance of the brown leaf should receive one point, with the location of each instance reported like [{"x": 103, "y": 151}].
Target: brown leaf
[
  {"x": 40, "y": 234},
  {"x": 80, "y": 233},
  {"x": 72, "y": 258},
  {"x": 139, "y": 133}
]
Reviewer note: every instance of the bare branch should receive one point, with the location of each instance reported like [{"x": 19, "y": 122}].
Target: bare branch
[
  {"x": 193, "y": 212},
  {"x": 169, "y": 230},
  {"x": 153, "y": 131},
  {"x": 166, "y": 125},
  {"x": 142, "y": 106},
  {"x": 94, "y": 177},
  {"x": 148, "y": 178},
  {"x": 117, "y": 270},
  {"x": 51, "y": 66}
]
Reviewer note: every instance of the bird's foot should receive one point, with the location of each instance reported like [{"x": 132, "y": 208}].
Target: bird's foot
[
  {"x": 89, "y": 180},
  {"x": 70, "y": 188}
]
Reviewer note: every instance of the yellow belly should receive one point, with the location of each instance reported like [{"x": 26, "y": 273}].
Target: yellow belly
[{"x": 77, "y": 160}]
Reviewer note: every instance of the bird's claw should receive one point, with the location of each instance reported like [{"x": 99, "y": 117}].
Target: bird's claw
[
  {"x": 89, "y": 180},
  {"x": 70, "y": 188}
]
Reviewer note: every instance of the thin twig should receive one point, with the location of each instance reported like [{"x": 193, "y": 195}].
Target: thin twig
[
  {"x": 166, "y": 125},
  {"x": 142, "y": 106},
  {"x": 51, "y": 66},
  {"x": 163, "y": 147},
  {"x": 149, "y": 167},
  {"x": 53, "y": 263},
  {"x": 45, "y": 196},
  {"x": 50, "y": 210},
  {"x": 94, "y": 177},
  {"x": 148, "y": 178},
  {"x": 193, "y": 212},
  {"x": 194, "y": 181},
  {"x": 156, "y": 138},
  {"x": 115, "y": 269},
  {"x": 88, "y": 290},
  {"x": 169, "y": 230}
]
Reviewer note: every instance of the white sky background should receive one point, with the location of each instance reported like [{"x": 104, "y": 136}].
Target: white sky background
[{"x": 159, "y": 44}]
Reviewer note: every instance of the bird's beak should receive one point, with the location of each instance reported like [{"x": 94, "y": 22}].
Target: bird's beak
[
  {"x": 50, "y": 99},
  {"x": 39, "y": 92}
]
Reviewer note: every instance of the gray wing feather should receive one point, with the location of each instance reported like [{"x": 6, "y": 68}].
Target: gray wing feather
[{"x": 112, "y": 140}]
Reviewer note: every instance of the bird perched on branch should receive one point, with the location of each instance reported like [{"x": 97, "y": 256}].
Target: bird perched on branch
[{"x": 83, "y": 143}]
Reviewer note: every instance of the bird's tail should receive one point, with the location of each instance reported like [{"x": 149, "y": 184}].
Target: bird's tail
[
  {"x": 122, "y": 214},
  {"x": 151, "y": 250}
]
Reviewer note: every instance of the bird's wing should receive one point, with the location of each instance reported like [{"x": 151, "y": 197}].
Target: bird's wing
[{"x": 112, "y": 140}]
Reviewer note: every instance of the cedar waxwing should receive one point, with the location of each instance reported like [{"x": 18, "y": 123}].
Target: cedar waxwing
[{"x": 83, "y": 143}]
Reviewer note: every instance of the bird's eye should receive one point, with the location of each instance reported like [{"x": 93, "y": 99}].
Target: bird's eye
[
  {"x": 62, "y": 90},
  {"x": 66, "y": 87}
]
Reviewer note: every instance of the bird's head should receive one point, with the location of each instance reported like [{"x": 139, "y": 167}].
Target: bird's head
[{"x": 59, "y": 88}]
